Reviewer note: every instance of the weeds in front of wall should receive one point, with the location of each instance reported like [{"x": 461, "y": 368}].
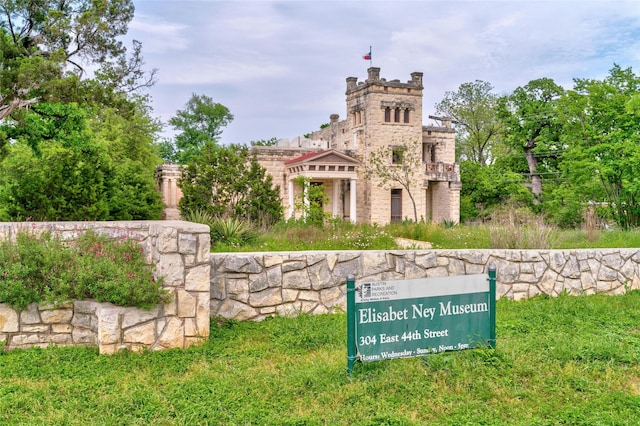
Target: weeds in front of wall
[
  {"x": 511, "y": 228},
  {"x": 519, "y": 228},
  {"x": 335, "y": 234},
  {"x": 591, "y": 221}
]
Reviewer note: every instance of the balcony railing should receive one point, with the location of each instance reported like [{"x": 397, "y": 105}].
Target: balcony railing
[{"x": 442, "y": 172}]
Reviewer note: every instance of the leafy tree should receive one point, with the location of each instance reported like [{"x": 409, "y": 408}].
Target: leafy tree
[
  {"x": 564, "y": 206},
  {"x": 68, "y": 163},
  {"x": 131, "y": 136},
  {"x": 532, "y": 127},
  {"x": 132, "y": 194},
  {"x": 395, "y": 165},
  {"x": 45, "y": 46},
  {"x": 65, "y": 178},
  {"x": 167, "y": 151},
  {"x": 473, "y": 109},
  {"x": 199, "y": 123},
  {"x": 4, "y": 145},
  {"x": 130, "y": 144},
  {"x": 485, "y": 187},
  {"x": 228, "y": 182},
  {"x": 602, "y": 133}
]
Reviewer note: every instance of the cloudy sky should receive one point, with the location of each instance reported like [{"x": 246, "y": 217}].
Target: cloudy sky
[{"x": 281, "y": 66}]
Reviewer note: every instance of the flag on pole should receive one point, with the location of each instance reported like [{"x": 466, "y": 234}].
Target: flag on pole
[{"x": 367, "y": 56}]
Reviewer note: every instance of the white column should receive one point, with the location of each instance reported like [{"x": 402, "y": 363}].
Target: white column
[
  {"x": 305, "y": 200},
  {"x": 352, "y": 201},
  {"x": 172, "y": 192},
  {"x": 336, "y": 196},
  {"x": 165, "y": 190},
  {"x": 291, "y": 210}
]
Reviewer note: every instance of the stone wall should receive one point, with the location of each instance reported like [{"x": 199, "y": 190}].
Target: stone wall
[
  {"x": 180, "y": 253},
  {"x": 256, "y": 285},
  {"x": 273, "y": 159}
]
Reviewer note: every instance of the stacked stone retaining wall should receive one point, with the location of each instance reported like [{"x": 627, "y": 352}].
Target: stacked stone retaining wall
[
  {"x": 256, "y": 285},
  {"x": 180, "y": 253}
]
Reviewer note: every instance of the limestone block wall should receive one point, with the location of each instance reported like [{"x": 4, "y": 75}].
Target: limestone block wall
[
  {"x": 443, "y": 205},
  {"x": 272, "y": 159},
  {"x": 256, "y": 285},
  {"x": 445, "y": 143},
  {"x": 180, "y": 252}
]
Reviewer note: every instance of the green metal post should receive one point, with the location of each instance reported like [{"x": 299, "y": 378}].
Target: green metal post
[
  {"x": 351, "y": 322},
  {"x": 492, "y": 310}
]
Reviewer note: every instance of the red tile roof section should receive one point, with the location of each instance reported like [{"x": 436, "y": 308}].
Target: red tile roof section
[{"x": 305, "y": 157}]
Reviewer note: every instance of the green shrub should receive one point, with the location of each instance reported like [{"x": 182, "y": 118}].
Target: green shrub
[
  {"x": 448, "y": 224},
  {"x": 337, "y": 234},
  {"x": 225, "y": 232},
  {"x": 229, "y": 182},
  {"x": 46, "y": 269},
  {"x": 520, "y": 229},
  {"x": 232, "y": 231},
  {"x": 199, "y": 215}
]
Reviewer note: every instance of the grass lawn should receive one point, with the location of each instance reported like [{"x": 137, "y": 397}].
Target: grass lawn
[{"x": 569, "y": 360}]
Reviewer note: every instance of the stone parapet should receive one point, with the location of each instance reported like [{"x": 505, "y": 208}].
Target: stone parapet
[
  {"x": 180, "y": 252},
  {"x": 256, "y": 285}
]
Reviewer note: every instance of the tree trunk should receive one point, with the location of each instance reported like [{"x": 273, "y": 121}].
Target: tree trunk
[
  {"x": 536, "y": 181},
  {"x": 8, "y": 108},
  {"x": 415, "y": 210}
]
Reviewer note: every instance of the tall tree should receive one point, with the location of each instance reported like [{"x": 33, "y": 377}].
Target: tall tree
[
  {"x": 265, "y": 142},
  {"x": 130, "y": 144},
  {"x": 68, "y": 163},
  {"x": 602, "y": 133},
  {"x": 199, "y": 123},
  {"x": 532, "y": 126},
  {"x": 473, "y": 109},
  {"x": 45, "y": 46},
  {"x": 90, "y": 134}
]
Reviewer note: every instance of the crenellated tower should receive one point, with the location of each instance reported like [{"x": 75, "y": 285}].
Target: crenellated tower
[{"x": 388, "y": 114}]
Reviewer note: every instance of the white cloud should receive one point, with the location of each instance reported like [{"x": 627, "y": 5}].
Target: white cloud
[
  {"x": 159, "y": 36},
  {"x": 283, "y": 64},
  {"x": 206, "y": 71}
]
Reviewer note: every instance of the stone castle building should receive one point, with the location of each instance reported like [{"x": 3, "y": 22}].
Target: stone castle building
[{"x": 383, "y": 117}]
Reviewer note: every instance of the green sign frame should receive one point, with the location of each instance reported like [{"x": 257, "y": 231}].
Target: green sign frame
[{"x": 408, "y": 318}]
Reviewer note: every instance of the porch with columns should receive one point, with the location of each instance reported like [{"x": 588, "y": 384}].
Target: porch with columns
[
  {"x": 326, "y": 167},
  {"x": 167, "y": 176}
]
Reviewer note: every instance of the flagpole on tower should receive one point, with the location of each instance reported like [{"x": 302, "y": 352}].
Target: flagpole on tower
[{"x": 369, "y": 57}]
